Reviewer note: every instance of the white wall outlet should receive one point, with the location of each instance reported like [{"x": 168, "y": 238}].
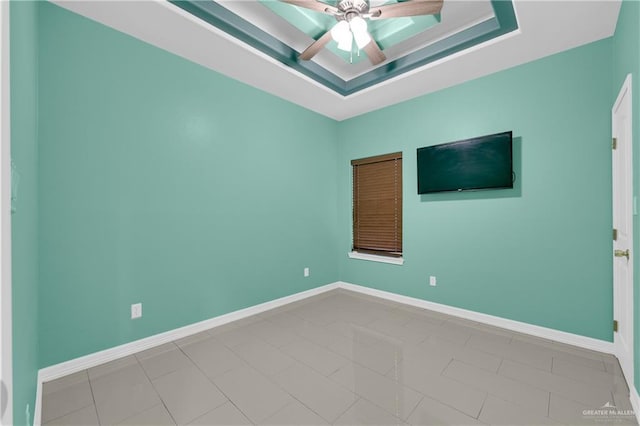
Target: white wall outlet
[
  {"x": 136, "y": 310},
  {"x": 306, "y": 272},
  {"x": 432, "y": 281}
]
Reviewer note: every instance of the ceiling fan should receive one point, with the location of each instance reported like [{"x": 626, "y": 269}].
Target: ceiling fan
[{"x": 352, "y": 25}]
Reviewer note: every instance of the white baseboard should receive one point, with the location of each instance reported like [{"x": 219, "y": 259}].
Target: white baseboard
[
  {"x": 91, "y": 360},
  {"x": 97, "y": 358},
  {"x": 37, "y": 410},
  {"x": 520, "y": 327},
  {"x": 635, "y": 398},
  {"x": 82, "y": 363}
]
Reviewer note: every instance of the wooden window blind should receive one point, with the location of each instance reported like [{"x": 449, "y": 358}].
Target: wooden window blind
[{"x": 377, "y": 204}]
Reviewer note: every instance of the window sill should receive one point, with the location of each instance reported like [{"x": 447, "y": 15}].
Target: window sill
[{"x": 376, "y": 258}]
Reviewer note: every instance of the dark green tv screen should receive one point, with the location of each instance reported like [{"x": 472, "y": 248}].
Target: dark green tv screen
[{"x": 484, "y": 162}]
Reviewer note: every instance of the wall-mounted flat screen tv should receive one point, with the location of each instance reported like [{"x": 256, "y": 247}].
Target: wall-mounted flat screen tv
[{"x": 484, "y": 162}]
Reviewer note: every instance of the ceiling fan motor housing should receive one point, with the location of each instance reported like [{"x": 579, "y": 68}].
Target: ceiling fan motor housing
[{"x": 353, "y": 7}]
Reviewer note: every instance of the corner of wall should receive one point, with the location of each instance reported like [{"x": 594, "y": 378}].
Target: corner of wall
[{"x": 24, "y": 211}]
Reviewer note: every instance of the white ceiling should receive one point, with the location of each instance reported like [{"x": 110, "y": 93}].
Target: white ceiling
[
  {"x": 545, "y": 28},
  {"x": 459, "y": 16}
]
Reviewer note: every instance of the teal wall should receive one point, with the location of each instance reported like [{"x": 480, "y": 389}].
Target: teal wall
[
  {"x": 165, "y": 183},
  {"x": 24, "y": 221},
  {"x": 538, "y": 253},
  {"x": 626, "y": 60},
  {"x": 147, "y": 178}
]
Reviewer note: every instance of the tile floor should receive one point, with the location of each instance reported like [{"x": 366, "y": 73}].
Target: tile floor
[{"x": 344, "y": 358}]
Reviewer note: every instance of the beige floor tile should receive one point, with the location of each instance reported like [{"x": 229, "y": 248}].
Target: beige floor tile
[
  {"x": 163, "y": 360},
  {"x": 399, "y": 331},
  {"x": 262, "y": 356},
  {"x": 561, "y": 385},
  {"x": 611, "y": 365},
  {"x": 233, "y": 336},
  {"x": 317, "y": 357},
  {"x": 345, "y": 358},
  {"x": 426, "y": 357},
  {"x": 66, "y": 399},
  {"x": 212, "y": 357},
  {"x": 370, "y": 356},
  {"x": 111, "y": 367},
  {"x": 581, "y": 373},
  {"x": 271, "y": 333},
  {"x": 393, "y": 396},
  {"x": 621, "y": 398},
  {"x": 585, "y": 353},
  {"x": 569, "y": 412},
  {"x": 460, "y": 396},
  {"x": 226, "y": 414},
  {"x": 320, "y": 394},
  {"x": 479, "y": 359},
  {"x": 65, "y": 382},
  {"x": 432, "y": 412},
  {"x": 497, "y": 411},
  {"x": 123, "y": 393},
  {"x": 587, "y": 361},
  {"x": 193, "y": 338},
  {"x": 295, "y": 413},
  {"x": 256, "y": 396},
  {"x": 522, "y": 352},
  {"x": 453, "y": 332},
  {"x": 155, "y": 351},
  {"x": 360, "y": 313},
  {"x": 315, "y": 333},
  {"x": 188, "y": 394},
  {"x": 155, "y": 416},
  {"x": 86, "y": 416},
  {"x": 364, "y": 412},
  {"x": 517, "y": 392}
]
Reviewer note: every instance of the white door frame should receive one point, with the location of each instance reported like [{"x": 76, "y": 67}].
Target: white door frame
[
  {"x": 6, "y": 364},
  {"x": 624, "y": 100}
]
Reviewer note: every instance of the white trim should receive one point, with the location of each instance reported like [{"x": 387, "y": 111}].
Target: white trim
[
  {"x": 376, "y": 258},
  {"x": 97, "y": 358},
  {"x": 37, "y": 410},
  {"x": 520, "y": 327},
  {"x": 6, "y": 355},
  {"x": 170, "y": 30},
  {"x": 635, "y": 399},
  {"x": 624, "y": 303}
]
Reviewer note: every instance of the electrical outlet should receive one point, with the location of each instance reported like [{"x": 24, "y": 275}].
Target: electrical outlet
[
  {"x": 136, "y": 310},
  {"x": 306, "y": 272},
  {"x": 432, "y": 281}
]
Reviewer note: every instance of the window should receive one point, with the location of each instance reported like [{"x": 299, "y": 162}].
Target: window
[{"x": 377, "y": 205}]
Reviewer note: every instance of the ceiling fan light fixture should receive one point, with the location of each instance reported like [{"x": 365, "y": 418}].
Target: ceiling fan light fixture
[
  {"x": 351, "y": 25},
  {"x": 359, "y": 29},
  {"x": 341, "y": 34},
  {"x": 346, "y": 43},
  {"x": 358, "y": 24},
  {"x": 362, "y": 39}
]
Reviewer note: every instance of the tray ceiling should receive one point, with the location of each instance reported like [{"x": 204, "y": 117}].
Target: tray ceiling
[
  {"x": 282, "y": 31},
  {"x": 521, "y": 31}
]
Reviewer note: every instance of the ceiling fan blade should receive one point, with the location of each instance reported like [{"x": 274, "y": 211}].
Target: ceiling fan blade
[
  {"x": 374, "y": 53},
  {"x": 311, "y": 51},
  {"x": 406, "y": 8},
  {"x": 315, "y": 5}
]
